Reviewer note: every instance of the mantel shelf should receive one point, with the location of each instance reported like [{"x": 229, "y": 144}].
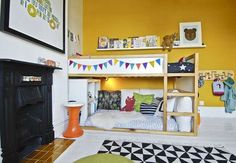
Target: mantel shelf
[{"x": 150, "y": 48}]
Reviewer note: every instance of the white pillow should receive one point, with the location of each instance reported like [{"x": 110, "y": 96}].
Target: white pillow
[
  {"x": 156, "y": 92},
  {"x": 125, "y": 93},
  {"x": 184, "y": 104},
  {"x": 170, "y": 107}
]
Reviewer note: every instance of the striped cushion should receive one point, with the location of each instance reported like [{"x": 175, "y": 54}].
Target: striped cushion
[{"x": 149, "y": 109}]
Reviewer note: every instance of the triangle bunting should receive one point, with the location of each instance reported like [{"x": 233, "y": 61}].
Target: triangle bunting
[
  {"x": 95, "y": 67},
  {"x": 145, "y": 65},
  {"x": 105, "y": 64},
  {"x": 121, "y": 63},
  {"x": 152, "y": 63},
  {"x": 126, "y": 65},
  {"x": 110, "y": 62},
  {"x": 70, "y": 62},
  {"x": 101, "y": 65},
  {"x": 74, "y": 65},
  {"x": 158, "y": 61},
  {"x": 79, "y": 65},
  {"x": 89, "y": 67},
  {"x": 84, "y": 67},
  {"x": 132, "y": 66},
  {"x": 115, "y": 61},
  {"x": 138, "y": 65}
]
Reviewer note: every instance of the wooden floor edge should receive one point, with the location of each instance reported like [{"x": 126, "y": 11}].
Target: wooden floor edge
[{"x": 174, "y": 133}]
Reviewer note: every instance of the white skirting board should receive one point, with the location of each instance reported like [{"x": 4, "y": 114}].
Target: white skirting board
[
  {"x": 215, "y": 112},
  {"x": 60, "y": 127}
]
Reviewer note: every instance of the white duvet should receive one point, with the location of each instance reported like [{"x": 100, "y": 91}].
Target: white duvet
[{"x": 107, "y": 120}]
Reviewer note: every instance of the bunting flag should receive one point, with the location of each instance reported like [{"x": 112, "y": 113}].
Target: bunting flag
[
  {"x": 132, "y": 66},
  {"x": 138, "y": 65},
  {"x": 105, "y": 64},
  {"x": 70, "y": 62},
  {"x": 74, "y": 64},
  {"x": 116, "y": 61},
  {"x": 84, "y": 67},
  {"x": 110, "y": 62},
  {"x": 95, "y": 67},
  {"x": 126, "y": 65},
  {"x": 121, "y": 63},
  {"x": 145, "y": 65},
  {"x": 79, "y": 65},
  {"x": 158, "y": 61},
  {"x": 89, "y": 67},
  {"x": 152, "y": 63},
  {"x": 101, "y": 65}
]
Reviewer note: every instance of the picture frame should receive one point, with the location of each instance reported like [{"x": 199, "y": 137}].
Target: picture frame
[
  {"x": 190, "y": 34},
  {"x": 42, "y": 22},
  {"x": 103, "y": 42}
]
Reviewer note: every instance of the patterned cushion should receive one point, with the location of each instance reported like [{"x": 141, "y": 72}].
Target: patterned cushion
[
  {"x": 109, "y": 100},
  {"x": 139, "y": 98},
  {"x": 148, "y": 109}
]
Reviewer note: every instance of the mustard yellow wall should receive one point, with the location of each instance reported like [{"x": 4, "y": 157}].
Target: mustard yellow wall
[{"x": 125, "y": 18}]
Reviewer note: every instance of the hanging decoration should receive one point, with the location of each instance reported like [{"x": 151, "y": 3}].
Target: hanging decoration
[{"x": 114, "y": 62}]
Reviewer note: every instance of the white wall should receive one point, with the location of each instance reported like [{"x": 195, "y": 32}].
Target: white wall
[
  {"x": 20, "y": 49},
  {"x": 75, "y": 25}
]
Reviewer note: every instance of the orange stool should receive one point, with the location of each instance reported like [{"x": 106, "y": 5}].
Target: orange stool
[{"x": 73, "y": 130}]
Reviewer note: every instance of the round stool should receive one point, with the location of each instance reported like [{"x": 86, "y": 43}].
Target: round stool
[{"x": 73, "y": 130}]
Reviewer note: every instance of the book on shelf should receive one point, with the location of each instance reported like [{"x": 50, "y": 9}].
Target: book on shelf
[
  {"x": 142, "y": 40},
  {"x": 103, "y": 42},
  {"x": 152, "y": 41},
  {"x": 111, "y": 42},
  {"x": 118, "y": 44},
  {"x": 136, "y": 42},
  {"x": 125, "y": 43}
]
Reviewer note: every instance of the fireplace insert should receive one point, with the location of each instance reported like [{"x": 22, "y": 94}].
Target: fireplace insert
[{"x": 25, "y": 108}]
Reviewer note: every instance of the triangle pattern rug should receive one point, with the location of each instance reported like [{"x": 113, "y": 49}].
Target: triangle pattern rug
[{"x": 166, "y": 153}]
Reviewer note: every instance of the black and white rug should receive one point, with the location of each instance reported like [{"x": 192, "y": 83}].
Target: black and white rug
[{"x": 165, "y": 153}]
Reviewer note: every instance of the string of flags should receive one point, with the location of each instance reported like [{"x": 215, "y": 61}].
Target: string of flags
[{"x": 112, "y": 62}]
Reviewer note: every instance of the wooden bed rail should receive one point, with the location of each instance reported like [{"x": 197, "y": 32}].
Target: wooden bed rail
[{"x": 116, "y": 56}]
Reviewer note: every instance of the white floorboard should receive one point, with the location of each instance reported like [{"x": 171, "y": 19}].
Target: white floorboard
[{"x": 216, "y": 132}]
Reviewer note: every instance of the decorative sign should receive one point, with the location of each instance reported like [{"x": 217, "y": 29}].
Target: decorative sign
[
  {"x": 216, "y": 74},
  {"x": 31, "y": 78}
]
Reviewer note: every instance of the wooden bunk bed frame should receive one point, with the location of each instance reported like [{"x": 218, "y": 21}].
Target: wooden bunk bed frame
[{"x": 192, "y": 78}]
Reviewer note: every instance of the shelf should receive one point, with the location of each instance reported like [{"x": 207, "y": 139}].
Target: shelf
[
  {"x": 180, "y": 74},
  {"x": 180, "y": 114},
  {"x": 181, "y": 94},
  {"x": 150, "y": 48}
]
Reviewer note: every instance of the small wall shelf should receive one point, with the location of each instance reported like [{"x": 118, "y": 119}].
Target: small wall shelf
[{"x": 150, "y": 48}]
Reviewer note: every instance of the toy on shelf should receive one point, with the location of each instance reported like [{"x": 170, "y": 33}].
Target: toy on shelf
[{"x": 168, "y": 41}]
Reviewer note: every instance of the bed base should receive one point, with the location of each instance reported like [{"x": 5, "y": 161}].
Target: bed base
[{"x": 129, "y": 130}]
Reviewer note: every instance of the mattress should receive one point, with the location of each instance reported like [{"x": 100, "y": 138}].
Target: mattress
[{"x": 148, "y": 123}]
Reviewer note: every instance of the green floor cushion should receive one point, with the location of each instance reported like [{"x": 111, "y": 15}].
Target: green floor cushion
[{"x": 104, "y": 158}]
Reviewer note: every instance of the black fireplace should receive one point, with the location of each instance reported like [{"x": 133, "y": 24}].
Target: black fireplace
[{"x": 25, "y": 108}]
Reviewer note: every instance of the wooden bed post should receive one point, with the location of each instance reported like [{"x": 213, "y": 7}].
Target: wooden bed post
[
  {"x": 195, "y": 124},
  {"x": 165, "y": 92}
]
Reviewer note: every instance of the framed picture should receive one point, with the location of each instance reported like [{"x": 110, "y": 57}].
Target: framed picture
[
  {"x": 40, "y": 21},
  {"x": 190, "y": 34},
  {"x": 103, "y": 42}
]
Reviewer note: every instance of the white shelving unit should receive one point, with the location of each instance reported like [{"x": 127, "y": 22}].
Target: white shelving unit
[
  {"x": 150, "y": 48},
  {"x": 79, "y": 90}
]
